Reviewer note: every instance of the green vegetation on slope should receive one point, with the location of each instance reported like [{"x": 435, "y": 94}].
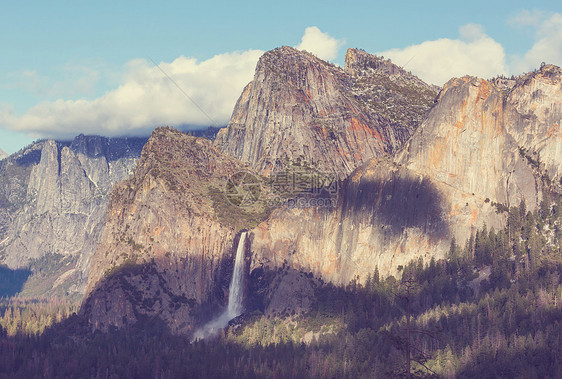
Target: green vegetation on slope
[{"x": 494, "y": 307}]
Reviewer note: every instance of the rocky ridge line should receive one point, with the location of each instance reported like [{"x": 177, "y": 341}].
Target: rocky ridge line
[{"x": 302, "y": 111}]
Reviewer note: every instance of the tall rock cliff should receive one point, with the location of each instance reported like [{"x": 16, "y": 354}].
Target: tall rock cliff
[
  {"x": 3, "y": 154},
  {"x": 484, "y": 142},
  {"x": 535, "y": 122},
  {"x": 300, "y": 109},
  {"x": 501, "y": 141},
  {"x": 170, "y": 236},
  {"x": 54, "y": 200},
  {"x": 168, "y": 244}
]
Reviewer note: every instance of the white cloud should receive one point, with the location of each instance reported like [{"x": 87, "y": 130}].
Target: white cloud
[
  {"x": 147, "y": 98},
  {"x": 77, "y": 79},
  {"x": 473, "y": 53},
  {"x": 320, "y": 44},
  {"x": 476, "y": 53},
  {"x": 547, "y": 47},
  {"x": 527, "y": 18},
  {"x": 472, "y": 32}
]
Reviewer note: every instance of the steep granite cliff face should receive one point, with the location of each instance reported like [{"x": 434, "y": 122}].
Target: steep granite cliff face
[
  {"x": 386, "y": 216},
  {"x": 483, "y": 143},
  {"x": 501, "y": 143},
  {"x": 55, "y": 196},
  {"x": 14, "y": 178},
  {"x": 168, "y": 244},
  {"x": 170, "y": 236},
  {"x": 535, "y": 122},
  {"x": 3, "y": 154},
  {"x": 302, "y": 110}
]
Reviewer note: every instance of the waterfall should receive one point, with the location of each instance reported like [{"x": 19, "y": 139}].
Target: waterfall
[
  {"x": 235, "y": 293},
  {"x": 235, "y": 297}
]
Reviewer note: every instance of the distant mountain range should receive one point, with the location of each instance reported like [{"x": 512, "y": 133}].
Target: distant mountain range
[{"x": 53, "y": 200}]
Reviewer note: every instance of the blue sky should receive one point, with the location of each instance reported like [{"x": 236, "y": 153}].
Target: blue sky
[{"x": 73, "y": 67}]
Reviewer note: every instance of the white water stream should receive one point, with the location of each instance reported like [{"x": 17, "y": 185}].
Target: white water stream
[{"x": 235, "y": 297}]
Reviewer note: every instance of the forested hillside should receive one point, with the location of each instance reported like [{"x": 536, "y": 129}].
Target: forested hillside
[{"x": 491, "y": 309}]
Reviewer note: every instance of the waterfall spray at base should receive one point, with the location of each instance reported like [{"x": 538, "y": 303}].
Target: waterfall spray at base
[{"x": 235, "y": 297}]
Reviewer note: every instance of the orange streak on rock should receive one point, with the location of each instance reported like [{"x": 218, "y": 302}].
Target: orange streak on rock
[
  {"x": 484, "y": 90},
  {"x": 554, "y": 130},
  {"x": 437, "y": 153},
  {"x": 462, "y": 113},
  {"x": 357, "y": 125},
  {"x": 455, "y": 211},
  {"x": 474, "y": 216},
  {"x": 341, "y": 152},
  {"x": 306, "y": 96}
]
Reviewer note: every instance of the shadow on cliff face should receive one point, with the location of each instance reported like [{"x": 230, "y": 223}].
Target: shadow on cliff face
[
  {"x": 164, "y": 290},
  {"x": 132, "y": 295},
  {"x": 12, "y": 281},
  {"x": 142, "y": 294},
  {"x": 29, "y": 158},
  {"x": 126, "y": 295},
  {"x": 111, "y": 148},
  {"x": 19, "y": 162},
  {"x": 218, "y": 296},
  {"x": 282, "y": 292},
  {"x": 399, "y": 200}
]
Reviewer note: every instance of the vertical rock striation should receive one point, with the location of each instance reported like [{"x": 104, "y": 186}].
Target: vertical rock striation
[
  {"x": 302, "y": 110},
  {"x": 484, "y": 142},
  {"x": 535, "y": 121},
  {"x": 56, "y": 196},
  {"x": 167, "y": 245},
  {"x": 498, "y": 142}
]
